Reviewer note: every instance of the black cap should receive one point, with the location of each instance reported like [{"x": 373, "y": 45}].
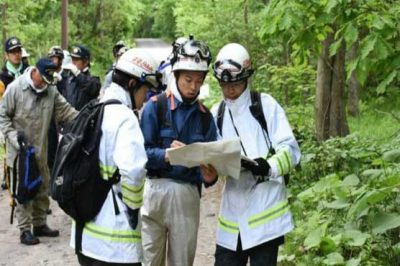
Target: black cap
[
  {"x": 80, "y": 51},
  {"x": 12, "y": 43},
  {"x": 46, "y": 68}
]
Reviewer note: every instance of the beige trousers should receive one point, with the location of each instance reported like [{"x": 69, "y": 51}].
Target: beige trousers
[{"x": 170, "y": 221}]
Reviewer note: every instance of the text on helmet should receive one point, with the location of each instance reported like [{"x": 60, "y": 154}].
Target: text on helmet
[{"x": 142, "y": 64}]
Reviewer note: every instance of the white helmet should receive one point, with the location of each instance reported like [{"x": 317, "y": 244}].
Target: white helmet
[
  {"x": 191, "y": 55},
  {"x": 24, "y": 53},
  {"x": 138, "y": 63},
  {"x": 178, "y": 42},
  {"x": 232, "y": 63}
]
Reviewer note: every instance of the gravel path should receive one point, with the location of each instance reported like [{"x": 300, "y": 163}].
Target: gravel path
[{"x": 56, "y": 251}]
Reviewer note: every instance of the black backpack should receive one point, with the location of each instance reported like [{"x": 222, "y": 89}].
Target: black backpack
[
  {"x": 26, "y": 178},
  {"x": 257, "y": 112},
  {"x": 76, "y": 182}
]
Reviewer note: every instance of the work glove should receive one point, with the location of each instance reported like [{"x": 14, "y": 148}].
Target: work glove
[
  {"x": 260, "y": 171},
  {"x": 57, "y": 77},
  {"x": 133, "y": 217},
  {"x": 74, "y": 70}
]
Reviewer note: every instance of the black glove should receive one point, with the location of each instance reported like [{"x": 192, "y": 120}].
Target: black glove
[
  {"x": 261, "y": 169},
  {"x": 133, "y": 217}
]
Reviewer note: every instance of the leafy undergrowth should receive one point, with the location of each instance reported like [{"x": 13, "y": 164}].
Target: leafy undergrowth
[{"x": 346, "y": 204}]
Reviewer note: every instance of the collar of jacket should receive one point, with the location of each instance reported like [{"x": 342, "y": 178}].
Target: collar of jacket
[
  {"x": 241, "y": 103},
  {"x": 115, "y": 91},
  {"x": 14, "y": 71},
  {"x": 28, "y": 79},
  {"x": 176, "y": 99}
]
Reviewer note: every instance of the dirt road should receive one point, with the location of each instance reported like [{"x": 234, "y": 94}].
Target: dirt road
[{"x": 56, "y": 251}]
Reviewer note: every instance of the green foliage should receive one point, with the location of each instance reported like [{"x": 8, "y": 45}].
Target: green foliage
[
  {"x": 349, "y": 216},
  {"x": 220, "y": 22},
  {"x": 345, "y": 195},
  {"x": 96, "y": 24},
  {"x": 374, "y": 24},
  {"x": 290, "y": 85}
]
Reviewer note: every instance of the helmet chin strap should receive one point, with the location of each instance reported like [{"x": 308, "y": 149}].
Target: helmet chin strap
[
  {"x": 184, "y": 99},
  {"x": 132, "y": 90}
]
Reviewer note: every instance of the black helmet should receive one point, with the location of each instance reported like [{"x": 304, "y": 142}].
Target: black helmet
[{"x": 56, "y": 51}]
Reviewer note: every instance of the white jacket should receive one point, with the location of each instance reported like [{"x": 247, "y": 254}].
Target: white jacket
[
  {"x": 109, "y": 237},
  {"x": 259, "y": 213}
]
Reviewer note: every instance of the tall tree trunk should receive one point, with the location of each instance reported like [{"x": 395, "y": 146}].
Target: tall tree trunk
[
  {"x": 97, "y": 19},
  {"x": 246, "y": 24},
  {"x": 330, "y": 115},
  {"x": 4, "y": 23},
  {"x": 337, "y": 120},
  {"x": 322, "y": 96},
  {"x": 354, "y": 86},
  {"x": 64, "y": 24}
]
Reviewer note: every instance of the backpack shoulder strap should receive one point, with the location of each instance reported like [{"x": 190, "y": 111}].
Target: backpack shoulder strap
[
  {"x": 205, "y": 117},
  {"x": 257, "y": 112},
  {"x": 112, "y": 101},
  {"x": 220, "y": 116},
  {"x": 162, "y": 105}
]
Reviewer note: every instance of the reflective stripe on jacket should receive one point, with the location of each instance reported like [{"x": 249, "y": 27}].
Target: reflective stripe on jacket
[
  {"x": 109, "y": 236},
  {"x": 260, "y": 212}
]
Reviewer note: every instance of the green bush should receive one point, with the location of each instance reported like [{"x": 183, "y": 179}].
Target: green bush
[{"x": 345, "y": 202}]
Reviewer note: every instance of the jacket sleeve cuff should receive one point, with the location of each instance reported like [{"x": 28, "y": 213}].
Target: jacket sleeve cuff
[
  {"x": 280, "y": 163},
  {"x": 161, "y": 158},
  {"x": 13, "y": 139},
  {"x": 274, "y": 168},
  {"x": 132, "y": 195}
]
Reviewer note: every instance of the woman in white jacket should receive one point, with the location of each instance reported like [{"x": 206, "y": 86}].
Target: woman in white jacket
[
  {"x": 254, "y": 214},
  {"x": 114, "y": 238}
]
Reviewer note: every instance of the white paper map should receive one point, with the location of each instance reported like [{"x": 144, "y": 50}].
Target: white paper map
[{"x": 224, "y": 155}]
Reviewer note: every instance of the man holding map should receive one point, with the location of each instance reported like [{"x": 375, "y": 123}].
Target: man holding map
[
  {"x": 254, "y": 214},
  {"x": 171, "y": 201}
]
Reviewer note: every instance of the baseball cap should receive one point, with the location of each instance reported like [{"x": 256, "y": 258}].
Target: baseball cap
[
  {"x": 12, "y": 43},
  {"x": 47, "y": 70},
  {"x": 80, "y": 51}
]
